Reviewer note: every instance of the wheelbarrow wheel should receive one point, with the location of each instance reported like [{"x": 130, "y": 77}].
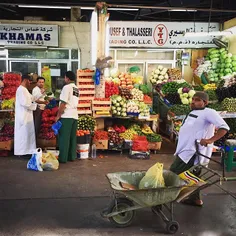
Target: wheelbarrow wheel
[
  {"x": 172, "y": 227},
  {"x": 123, "y": 219}
]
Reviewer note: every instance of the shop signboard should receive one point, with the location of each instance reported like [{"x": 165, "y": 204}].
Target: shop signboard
[
  {"x": 28, "y": 35},
  {"x": 160, "y": 34}
]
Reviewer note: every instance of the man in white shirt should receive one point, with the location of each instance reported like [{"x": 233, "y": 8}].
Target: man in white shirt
[
  {"x": 38, "y": 95},
  {"x": 68, "y": 116},
  {"x": 199, "y": 124},
  {"x": 24, "y": 138}
]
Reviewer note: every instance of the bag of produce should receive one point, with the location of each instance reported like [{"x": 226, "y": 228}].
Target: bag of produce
[
  {"x": 140, "y": 144},
  {"x": 153, "y": 177},
  {"x": 50, "y": 161},
  {"x": 35, "y": 162}
]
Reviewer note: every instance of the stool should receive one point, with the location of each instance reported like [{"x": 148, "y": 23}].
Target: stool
[{"x": 230, "y": 146}]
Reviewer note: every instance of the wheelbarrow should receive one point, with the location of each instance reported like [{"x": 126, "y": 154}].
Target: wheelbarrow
[{"x": 121, "y": 210}]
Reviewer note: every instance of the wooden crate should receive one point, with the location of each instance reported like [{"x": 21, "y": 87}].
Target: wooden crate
[
  {"x": 44, "y": 143},
  {"x": 85, "y": 74},
  {"x": 84, "y": 105},
  {"x": 95, "y": 108},
  {"x": 7, "y": 145},
  {"x": 89, "y": 92}
]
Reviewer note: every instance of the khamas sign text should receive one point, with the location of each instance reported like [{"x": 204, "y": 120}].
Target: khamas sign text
[
  {"x": 29, "y": 35},
  {"x": 159, "y": 34}
]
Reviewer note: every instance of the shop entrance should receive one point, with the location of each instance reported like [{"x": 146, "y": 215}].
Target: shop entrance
[
  {"x": 24, "y": 67},
  {"x": 58, "y": 71}
]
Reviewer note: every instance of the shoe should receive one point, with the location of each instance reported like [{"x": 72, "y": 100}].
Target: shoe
[{"x": 197, "y": 202}]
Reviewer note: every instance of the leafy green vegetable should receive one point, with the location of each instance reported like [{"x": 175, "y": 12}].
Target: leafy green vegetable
[
  {"x": 154, "y": 138},
  {"x": 179, "y": 110}
]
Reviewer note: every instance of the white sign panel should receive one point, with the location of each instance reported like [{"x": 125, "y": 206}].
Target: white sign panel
[
  {"x": 29, "y": 35},
  {"x": 159, "y": 34}
]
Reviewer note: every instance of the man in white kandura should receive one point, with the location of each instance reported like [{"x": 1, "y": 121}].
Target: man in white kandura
[{"x": 24, "y": 139}]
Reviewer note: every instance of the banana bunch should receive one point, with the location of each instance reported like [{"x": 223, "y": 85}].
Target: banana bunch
[
  {"x": 128, "y": 134},
  {"x": 8, "y": 104},
  {"x": 210, "y": 86},
  {"x": 147, "y": 130}
]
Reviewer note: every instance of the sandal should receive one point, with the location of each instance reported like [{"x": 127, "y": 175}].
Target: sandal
[{"x": 191, "y": 202}]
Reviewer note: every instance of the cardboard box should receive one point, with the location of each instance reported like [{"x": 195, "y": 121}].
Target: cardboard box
[
  {"x": 102, "y": 144},
  {"x": 7, "y": 145},
  {"x": 100, "y": 124},
  {"x": 154, "y": 145}
]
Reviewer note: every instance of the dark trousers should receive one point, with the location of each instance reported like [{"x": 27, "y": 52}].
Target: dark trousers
[
  {"x": 67, "y": 140},
  {"x": 179, "y": 166},
  {"x": 37, "y": 121}
]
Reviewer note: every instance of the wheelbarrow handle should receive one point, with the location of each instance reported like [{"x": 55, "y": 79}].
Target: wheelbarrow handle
[{"x": 197, "y": 142}]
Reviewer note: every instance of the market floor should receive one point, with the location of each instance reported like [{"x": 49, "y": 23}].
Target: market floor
[{"x": 69, "y": 201}]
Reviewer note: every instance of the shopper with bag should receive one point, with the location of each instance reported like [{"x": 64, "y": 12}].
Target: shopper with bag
[
  {"x": 24, "y": 138},
  {"x": 68, "y": 116}
]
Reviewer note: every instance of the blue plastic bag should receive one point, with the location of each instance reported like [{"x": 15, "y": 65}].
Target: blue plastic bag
[
  {"x": 56, "y": 126},
  {"x": 35, "y": 162}
]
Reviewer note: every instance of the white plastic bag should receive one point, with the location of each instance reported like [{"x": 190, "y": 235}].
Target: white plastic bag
[{"x": 35, "y": 162}]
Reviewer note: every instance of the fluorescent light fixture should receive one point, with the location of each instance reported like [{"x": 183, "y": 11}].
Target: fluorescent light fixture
[
  {"x": 123, "y": 9},
  {"x": 186, "y": 10},
  {"x": 205, "y": 34},
  {"x": 69, "y": 7},
  {"x": 44, "y": 6}
]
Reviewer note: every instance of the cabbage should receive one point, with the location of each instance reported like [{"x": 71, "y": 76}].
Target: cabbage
[
  {"x": 180, "y": 91},
  {"x": 114, "y": 72},
  {"x": 191, "y": 93},
  {"x": 185, "y": 101}
]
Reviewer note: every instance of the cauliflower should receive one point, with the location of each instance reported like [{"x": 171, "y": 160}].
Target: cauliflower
[
  {"x": 160, "y": 67},
  {"x": 157, "y": 72},
  {"x": 166, "y": 76},
  {"x": 161, "y": 77}
]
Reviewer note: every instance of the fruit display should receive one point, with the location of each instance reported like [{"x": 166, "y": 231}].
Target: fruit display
[
  {"x": 8, "y": 104},
  {"x": 125, "y": 93},
  {"x": 147, "y": 130},
  {"x": 186, "y": 95},
  {"x": 48, "y": 119},
  {"x": 174, "y": 74},
  {"x": 137, "y": 94},
  {"x": 128, "y": 134},
  {"x": 11, "y": 82},
  {"x": 81, "y": 132},
  {"x": 125, "y": 80},
  {"x": 229, "y": 104},
  {"x": 110, "y": 89},
  {"x": 86, "y": 122},
  {"x": 210, "y": 86},
  {"x": 159, "y": 75},
  {"x": 118, "y": 106},
  {"x": 136, "y": 128}
]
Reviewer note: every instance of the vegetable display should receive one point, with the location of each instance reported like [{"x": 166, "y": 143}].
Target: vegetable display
[
  {"x": 115, "y": 138},
  {"x": 186, "y": 95},
  {"x": 86, "y": 122},
  {"x": 8, "y": 104},
  {"x": 118, "y": 106},
  {"x": 229, "y": 104},
  {"x": 137, "y": 94},
  {"x": 128, "y": 134},
  {"x": 153, "y": 138},
  {"x": 179, "y": 110},
  {"x": 132, "y": 107},
  {"x": 110, "y": 89},
  {"x": 159, "y": 75},
  {"x": 100, "y": 135},
  {"x": 144, "y": 109}
]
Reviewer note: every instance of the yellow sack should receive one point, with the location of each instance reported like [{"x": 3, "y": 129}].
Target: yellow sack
[
  {"x": 153, "y": 177},
  {"x": 190, "y": 178},
  {"x": 50, "y": 162}
]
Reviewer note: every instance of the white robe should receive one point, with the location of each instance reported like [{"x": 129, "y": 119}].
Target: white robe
[{"x": 24, "y": 137}]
